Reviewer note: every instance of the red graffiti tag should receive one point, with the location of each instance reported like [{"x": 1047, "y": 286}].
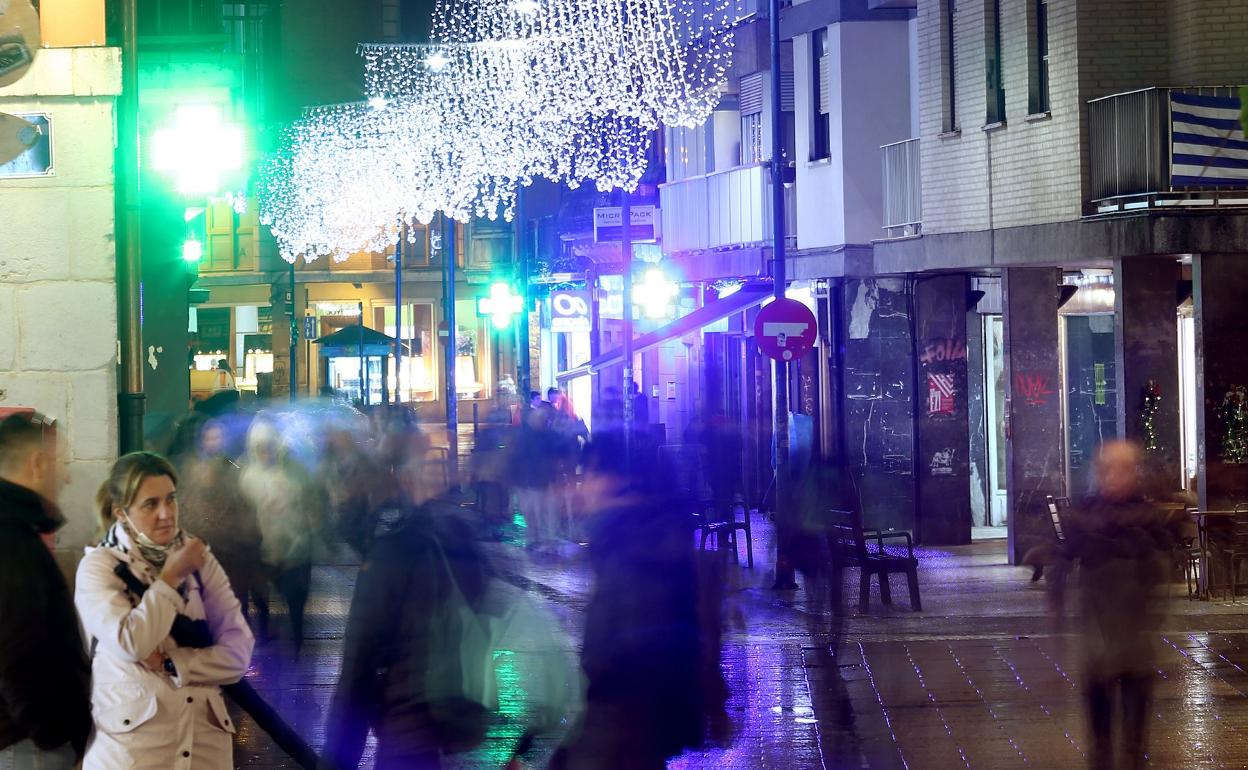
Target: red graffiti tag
[
  {"x": 1034, "y": 388},
  {"x": 943, "y": 350}
]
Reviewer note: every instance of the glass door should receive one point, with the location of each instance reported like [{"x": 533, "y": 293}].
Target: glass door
[{"x": 994, "y": 396}]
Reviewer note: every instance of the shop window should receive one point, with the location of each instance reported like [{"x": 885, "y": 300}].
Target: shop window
[
  {"x": 473, "y": 368},
  {"x": 417, "y": 375}
]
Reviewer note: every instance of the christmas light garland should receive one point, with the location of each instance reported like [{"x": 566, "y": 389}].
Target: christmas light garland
[{"x": 508, "y": 90}]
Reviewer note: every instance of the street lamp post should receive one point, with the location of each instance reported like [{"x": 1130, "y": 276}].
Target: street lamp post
[
  {"x": 626, "y": 247},
  {"x": 398, "y": 317},
  {"x": 294, "y": 338},
  {"x": 448, "y": 302}
]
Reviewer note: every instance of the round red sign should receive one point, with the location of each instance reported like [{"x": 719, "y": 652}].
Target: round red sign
[{"x": 785, "y": 329}]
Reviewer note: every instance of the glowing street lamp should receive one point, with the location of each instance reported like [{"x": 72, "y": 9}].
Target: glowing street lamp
[
  {"x": 656, "y": 294},
  {"x": 198, "y": 149},
  {"x": 501, "y": 305}
]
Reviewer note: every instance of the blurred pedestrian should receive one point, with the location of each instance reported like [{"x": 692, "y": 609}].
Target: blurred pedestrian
[
  {"x": 211, "y": 505},
  {"x": 419, "y": 583},
  {"x": 651, "y": 663},
  {"x": 290, "y": 510},
  {"x": 533, "y": 469},
  {"x": 45, "y": 679},
  {"x": 168, "y": 629},
  {"x": 351, "y": 477},
  {"x": 1122, "y": 543}
]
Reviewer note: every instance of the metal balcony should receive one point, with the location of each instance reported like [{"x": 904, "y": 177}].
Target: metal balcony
[
  {"x": 1166, "y": 147},
  {"x": 903, "y": 189},
  {"x": 724, "y": 210}
]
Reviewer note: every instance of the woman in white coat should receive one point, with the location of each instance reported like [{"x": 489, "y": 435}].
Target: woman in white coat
[{"x": 157, "y": 703}]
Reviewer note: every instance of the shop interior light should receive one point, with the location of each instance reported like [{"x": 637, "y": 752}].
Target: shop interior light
[
  {"x": 198, "y": 149},
  {"x": 192, "y": 250},
  {"x": 501, "y": 305},
  {"x": 656, "y": 294}
]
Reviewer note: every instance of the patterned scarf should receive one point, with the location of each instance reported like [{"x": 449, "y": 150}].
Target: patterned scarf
[{"x": 121, "y": 536}]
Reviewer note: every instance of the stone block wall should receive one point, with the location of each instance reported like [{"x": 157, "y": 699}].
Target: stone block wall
[{"x": 58, "y": 294}]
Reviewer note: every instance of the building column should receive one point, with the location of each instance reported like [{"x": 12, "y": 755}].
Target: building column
[
  {"x": 1220, "y": 294},
  {"x": 1033, "y": 406},
  {"x": 1147, "y": 341},
  {"x": 943, "y": 504},
  {"x": 877, "y": 379},
  {"x": 282, "y": 299}
]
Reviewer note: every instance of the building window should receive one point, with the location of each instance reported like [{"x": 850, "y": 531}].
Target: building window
[
  {"x": 1039, "y": 101},
  {"x": 951, "y": 65},
  {"x": 751, "y": 139},
  {"x": 820, "y": 135},
  {"x": 995, "y": 84}
]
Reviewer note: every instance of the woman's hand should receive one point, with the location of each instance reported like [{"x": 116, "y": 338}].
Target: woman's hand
[
  {"x": 155, "y": 662},
  {"x": 183, "y": 562}
]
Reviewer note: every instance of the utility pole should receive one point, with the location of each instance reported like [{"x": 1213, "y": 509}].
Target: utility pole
[
  {"x": 780, "y": 410},
  {"x": 131, "y": 401}
]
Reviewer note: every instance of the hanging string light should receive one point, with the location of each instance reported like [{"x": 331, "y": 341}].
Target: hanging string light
[{"x": 509, "y": 90}]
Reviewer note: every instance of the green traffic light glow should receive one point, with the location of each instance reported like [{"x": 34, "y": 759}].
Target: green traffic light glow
[
  {"x": 192, "y": 250},
  {"x": 501, "y": 305},
  {"x": 198, "y": 150}
]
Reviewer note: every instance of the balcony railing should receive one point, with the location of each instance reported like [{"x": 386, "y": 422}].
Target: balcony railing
[
  {"x": 726, "y": 209},
  {"x": 1131, "y": 152},
  {"x": 903, "y": 191}
]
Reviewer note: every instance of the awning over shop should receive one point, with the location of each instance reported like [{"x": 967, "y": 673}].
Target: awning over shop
[
  {"x": 350, "y": 341},
  {"x": 747, "y": 297}
]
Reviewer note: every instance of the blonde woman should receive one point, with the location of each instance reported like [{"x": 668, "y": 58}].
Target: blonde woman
[{"x": 167, "y": 630}]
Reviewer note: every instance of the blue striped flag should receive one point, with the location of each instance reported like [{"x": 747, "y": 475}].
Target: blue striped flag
[{"x": 1207, "y": 144}]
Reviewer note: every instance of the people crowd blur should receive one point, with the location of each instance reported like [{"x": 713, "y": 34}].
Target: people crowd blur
[{"x": 197, "y": 556}]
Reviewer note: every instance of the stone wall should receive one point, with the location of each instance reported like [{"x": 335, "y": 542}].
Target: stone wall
[{"x": 58, "y": 296}]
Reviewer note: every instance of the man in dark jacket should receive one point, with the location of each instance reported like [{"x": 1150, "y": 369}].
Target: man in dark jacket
[{"x": 45, "y": 679}]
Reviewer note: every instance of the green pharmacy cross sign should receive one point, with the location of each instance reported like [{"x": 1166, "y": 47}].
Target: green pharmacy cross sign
[
  {"x": 500, "y": 305},
  {"x": 198, "y": 150}
]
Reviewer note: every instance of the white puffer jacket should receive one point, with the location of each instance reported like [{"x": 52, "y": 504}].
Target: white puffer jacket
[{"x": 153, "y": 720}]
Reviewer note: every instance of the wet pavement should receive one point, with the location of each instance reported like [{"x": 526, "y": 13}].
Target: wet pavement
[{"x": 982, "y": 678}]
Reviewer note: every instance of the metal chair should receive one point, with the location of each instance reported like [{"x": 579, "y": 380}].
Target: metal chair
[
  {"x": 1237, "y": 546},
  {"x": 848, "y": 542}
]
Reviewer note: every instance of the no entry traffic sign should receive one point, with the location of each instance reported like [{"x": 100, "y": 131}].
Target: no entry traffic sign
[{"x": 785, "y": 329}]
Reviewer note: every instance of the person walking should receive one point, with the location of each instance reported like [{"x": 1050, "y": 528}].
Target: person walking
[
  {"x": 45, "y": 679},
  {"x": 168, "y": 630},
  {"x": 290, "y": 509},
  {"x": 1121, "y": 541},
  {"x": 212, "y": 506}
]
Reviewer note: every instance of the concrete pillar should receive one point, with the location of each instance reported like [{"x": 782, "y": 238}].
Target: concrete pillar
[
  {"x": 1033, "y": 411},
  {"x": 282, "y": 302},
  {"x": 878, "y": 400},
  {"x": 943, "y": 504},
  {"x": 1220, "y": 294},
  {"x": 166, "y": 281},
  {"x": 1147, "y": 351}
]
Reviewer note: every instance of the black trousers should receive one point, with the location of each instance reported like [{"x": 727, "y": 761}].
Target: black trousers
[{"x": 1134, "y": 694}]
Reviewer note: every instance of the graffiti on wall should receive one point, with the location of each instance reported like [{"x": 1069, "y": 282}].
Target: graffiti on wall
[{"x": 1033, "y": 387}]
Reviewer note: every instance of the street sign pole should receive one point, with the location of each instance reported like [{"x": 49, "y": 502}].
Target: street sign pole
[{"x": 780, "y": 411}]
